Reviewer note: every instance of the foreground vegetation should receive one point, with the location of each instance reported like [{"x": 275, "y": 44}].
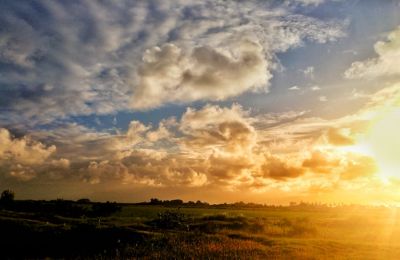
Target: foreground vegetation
[{"x": 67, "y": 229}]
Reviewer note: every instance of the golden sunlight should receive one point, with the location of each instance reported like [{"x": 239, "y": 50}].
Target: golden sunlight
[{"x": 384, "y": 143}]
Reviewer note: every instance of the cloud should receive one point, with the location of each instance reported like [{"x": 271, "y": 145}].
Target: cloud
[
  {"x": 322, "y": 162},
  {"x": 170, "y": 75},
  {"x": 222, "y": 140},
  {"x": 310, "y": 2},
  {"x": 213, "y": 146},
  {"x": 23, "y": 150},
  {"x": 323, "y": 98},
  {"x": 340, "y": 137},
  {"x": 63, "y": 59},
  {"x": 161, "y": 132},
  {"x": 19, "y": 157},
  {"x": 309, "y": 72},
  {"x": 103, "y": 171},
  {"x": 61, "y": 163},
  {"x": 20, "y": 172},
  {"x": 358, "y": 166},
  {"x": 294, "y": 88},
  {"x": 386, "y": 64},
  {"x": 226, "y": 147},
  {"x": 280, "y": 170},
  {"x": 214, "y": 128}
]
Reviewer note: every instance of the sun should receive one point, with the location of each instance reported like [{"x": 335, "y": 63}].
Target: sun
[{"x": 383, "y": 139}]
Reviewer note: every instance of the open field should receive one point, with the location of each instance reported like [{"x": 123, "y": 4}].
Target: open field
[{"x": 149, "y": 231}]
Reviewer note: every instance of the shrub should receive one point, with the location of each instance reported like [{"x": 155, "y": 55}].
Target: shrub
[{"x": 169, "y": 220}]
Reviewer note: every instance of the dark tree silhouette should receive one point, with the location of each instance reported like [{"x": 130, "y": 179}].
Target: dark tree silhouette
[{"x": 7, "y": 197}]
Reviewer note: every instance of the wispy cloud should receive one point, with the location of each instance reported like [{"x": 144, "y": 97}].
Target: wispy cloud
[{"x": 386, "y": 64}]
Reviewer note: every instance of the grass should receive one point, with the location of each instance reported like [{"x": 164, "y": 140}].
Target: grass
[{"x": 157, "y": 232}]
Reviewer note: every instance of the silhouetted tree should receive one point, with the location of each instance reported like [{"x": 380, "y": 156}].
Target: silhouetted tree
[
  {"x": 7, "y": 197},
  {"x": 155, "y": 201},
  {"x": 83, "y": 201}
]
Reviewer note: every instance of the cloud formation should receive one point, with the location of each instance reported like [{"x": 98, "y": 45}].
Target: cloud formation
[
  {"x": 386, "y": 64},
  {"x": 62, "y": 59},
  {"x": 169, "y": 75},
  {"x": 227, "y": 147},
  {"x": 23, "y": 150},
  {"x": 19, "y": 157},
  {"x": 218, "y": 129}
]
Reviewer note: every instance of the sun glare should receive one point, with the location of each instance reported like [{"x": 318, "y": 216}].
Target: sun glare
[{"x": 384, "y": 142}]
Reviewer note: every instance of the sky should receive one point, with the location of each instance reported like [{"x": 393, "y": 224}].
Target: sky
[{"x": 213, "y": 100}]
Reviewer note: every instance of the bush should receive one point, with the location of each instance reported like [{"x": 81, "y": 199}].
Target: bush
[{"x": 169, "y": 220}]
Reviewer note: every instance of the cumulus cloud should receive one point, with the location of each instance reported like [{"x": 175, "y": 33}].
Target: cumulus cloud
[
  {"x": 278, "y": 169},
  {"x": 218, "y": 129},
  {"x": 161, "y": 132},
  {"x": 228, "y": 147},
  {"x": 169, "y": 75},
  {"x": 212, "y": 146},
  {"x": 386, "y": 64},
  {"x": 61, "y": 163},
  {"x": 20, "y": 156},
  {"x": 23, "y": 150},
  {"x": 20, "y": 172},
  {"x": 103, "y": 170},
  {"x": 321, "y": 162}
]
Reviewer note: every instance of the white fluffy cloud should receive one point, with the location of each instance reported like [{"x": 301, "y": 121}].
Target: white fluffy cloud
[
  {"x": 386, "y": 64},
  {"x": 169, "y": 75}
]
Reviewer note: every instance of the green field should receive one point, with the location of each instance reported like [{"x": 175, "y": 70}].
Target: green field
[{"x": 146, "y": 231}]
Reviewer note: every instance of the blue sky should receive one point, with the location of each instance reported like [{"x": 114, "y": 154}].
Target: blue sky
[{"x": 114, "y": 94}]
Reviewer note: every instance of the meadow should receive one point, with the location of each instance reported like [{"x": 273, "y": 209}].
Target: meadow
[{"x": 65, "y": 229}]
